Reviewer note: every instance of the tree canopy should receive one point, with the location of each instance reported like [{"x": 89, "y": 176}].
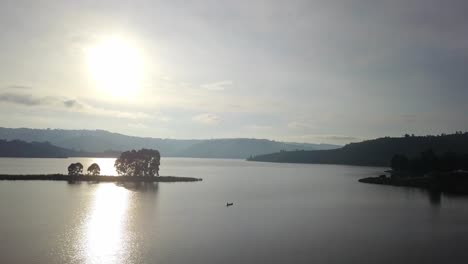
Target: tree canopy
[
  {"x": 143, "y": 163},
  {"x": 94, "y": 169},
  {"x": 428, "y": 161},
  {"x": 75, "y": 169}
]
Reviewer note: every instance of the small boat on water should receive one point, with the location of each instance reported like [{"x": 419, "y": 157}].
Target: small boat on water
[{"x": 229, "y": 204}]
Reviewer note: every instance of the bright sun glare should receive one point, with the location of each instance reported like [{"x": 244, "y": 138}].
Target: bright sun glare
[{"x": 116, "y": 67}]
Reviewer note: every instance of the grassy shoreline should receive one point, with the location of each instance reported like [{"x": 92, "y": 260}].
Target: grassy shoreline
[{"x": 101, "y": 178}]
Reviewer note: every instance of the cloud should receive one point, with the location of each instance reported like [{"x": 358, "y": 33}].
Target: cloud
[
  {"x": 80, "y": 107},
  {"x": 217, "y": 86},
  {"x": 22, "y": 99},
  {"x": 207, "y": 119},
  {"x": 19, "y": 87},
  {"x": 72, "y": 105}
]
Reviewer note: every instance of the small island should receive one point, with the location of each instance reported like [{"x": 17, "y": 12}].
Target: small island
[
  {"x": 446, "y": 173},
  {"x": 90, "y": 178},
  {"x": 132, "y": 166}
]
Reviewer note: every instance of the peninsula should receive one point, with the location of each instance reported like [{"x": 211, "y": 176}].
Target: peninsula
[{"x": 442, "y": 173}]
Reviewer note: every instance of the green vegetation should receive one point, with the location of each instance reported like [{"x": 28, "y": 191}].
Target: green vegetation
[
  {"x": 428, "y": 161},
  {"x": 143, "y": 163},
  {"x": 75, "y": 169},
  {"x": 94, "y": 169},
  {"x": 377, "y": 152},
  {"x": 442, "y": 173}
]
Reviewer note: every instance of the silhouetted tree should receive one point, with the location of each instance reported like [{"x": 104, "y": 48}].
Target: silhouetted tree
[
  {"x": 144, "y": 162},
  {"x": 94, "y": 169},
  {"x": 399, "y": 162},
  {"x": 75, "y": 169},
  {"x": 428, "y": 160}
]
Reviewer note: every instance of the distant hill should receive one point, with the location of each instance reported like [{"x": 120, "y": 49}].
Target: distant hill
[
  {"x": 21, "y": 149},
  {"x": 104, "y": 141},
  {"x": 377, "y": 152},
  {"x": 241, "y": 147}
]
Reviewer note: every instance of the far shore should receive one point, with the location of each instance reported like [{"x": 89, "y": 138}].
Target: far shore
[
  {"x": 91, "y": 178},
  {"x": 448, "y": 182}
]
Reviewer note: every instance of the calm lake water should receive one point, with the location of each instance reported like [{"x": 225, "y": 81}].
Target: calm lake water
[{"x": 282, "y": 213}]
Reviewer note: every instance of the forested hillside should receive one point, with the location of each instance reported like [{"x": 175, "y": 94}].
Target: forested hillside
[{"x": 377, "y": 152}]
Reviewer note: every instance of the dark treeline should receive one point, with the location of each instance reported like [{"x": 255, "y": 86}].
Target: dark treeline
[
  {"x": 428, "y": 161},
  {"x": 439, "y": 173},
  {"x": 377, "y": 152},
  {"x": 22, "y": 149}
]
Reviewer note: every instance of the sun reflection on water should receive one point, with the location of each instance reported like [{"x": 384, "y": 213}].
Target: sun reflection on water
[{"x": 105, "y": 235}]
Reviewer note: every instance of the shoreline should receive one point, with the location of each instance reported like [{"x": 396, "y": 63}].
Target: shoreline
[
  {"x": 447, "y": 182},
  {"x": 90, "y": 178}
]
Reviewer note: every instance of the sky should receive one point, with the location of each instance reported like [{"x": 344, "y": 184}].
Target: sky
[{"x": 305, "y": 71}]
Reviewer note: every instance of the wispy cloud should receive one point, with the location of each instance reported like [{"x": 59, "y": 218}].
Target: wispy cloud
[
  {"x": 18, "y": 87},
  {"x": 23, "y": 99},
  {"x": 217, "y": 86},
  {"x": 92, "y": 110},
  {"x": 71, "y": 105},
  {"x": 207, "y": 119}
]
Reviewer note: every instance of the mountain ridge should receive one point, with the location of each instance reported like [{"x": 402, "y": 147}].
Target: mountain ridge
[{"x": 98, "y": 141}]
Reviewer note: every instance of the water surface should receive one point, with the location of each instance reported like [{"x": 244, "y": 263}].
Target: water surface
[{"x": 282, "y": 213}]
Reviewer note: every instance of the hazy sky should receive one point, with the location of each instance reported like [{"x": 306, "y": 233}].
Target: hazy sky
[{"x": 310, "y": 71}]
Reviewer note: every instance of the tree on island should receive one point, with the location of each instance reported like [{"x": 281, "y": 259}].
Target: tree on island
[
  {"x": 399, "y": 162},
  {"x": 75, "y": 169},
  {"x": 94, "y": 169},
  {"x": 142, "y": 163},
  {"x": 428, "y": 161}
]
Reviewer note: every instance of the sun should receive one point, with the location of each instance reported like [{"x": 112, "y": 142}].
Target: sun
[{"x": 116, "y": 67}]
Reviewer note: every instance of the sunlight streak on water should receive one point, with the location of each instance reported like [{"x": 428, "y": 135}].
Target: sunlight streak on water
[{"x": 104, "y": 238}]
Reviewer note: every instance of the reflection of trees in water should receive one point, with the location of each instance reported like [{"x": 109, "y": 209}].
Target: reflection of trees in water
[
  {"x": 131, "y": 186},
  {"x": 139, "y": 186},
  {"x": 435, "y": 197}
]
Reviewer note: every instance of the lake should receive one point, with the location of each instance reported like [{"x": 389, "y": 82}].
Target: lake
[{"x": 282, "y": 213}]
